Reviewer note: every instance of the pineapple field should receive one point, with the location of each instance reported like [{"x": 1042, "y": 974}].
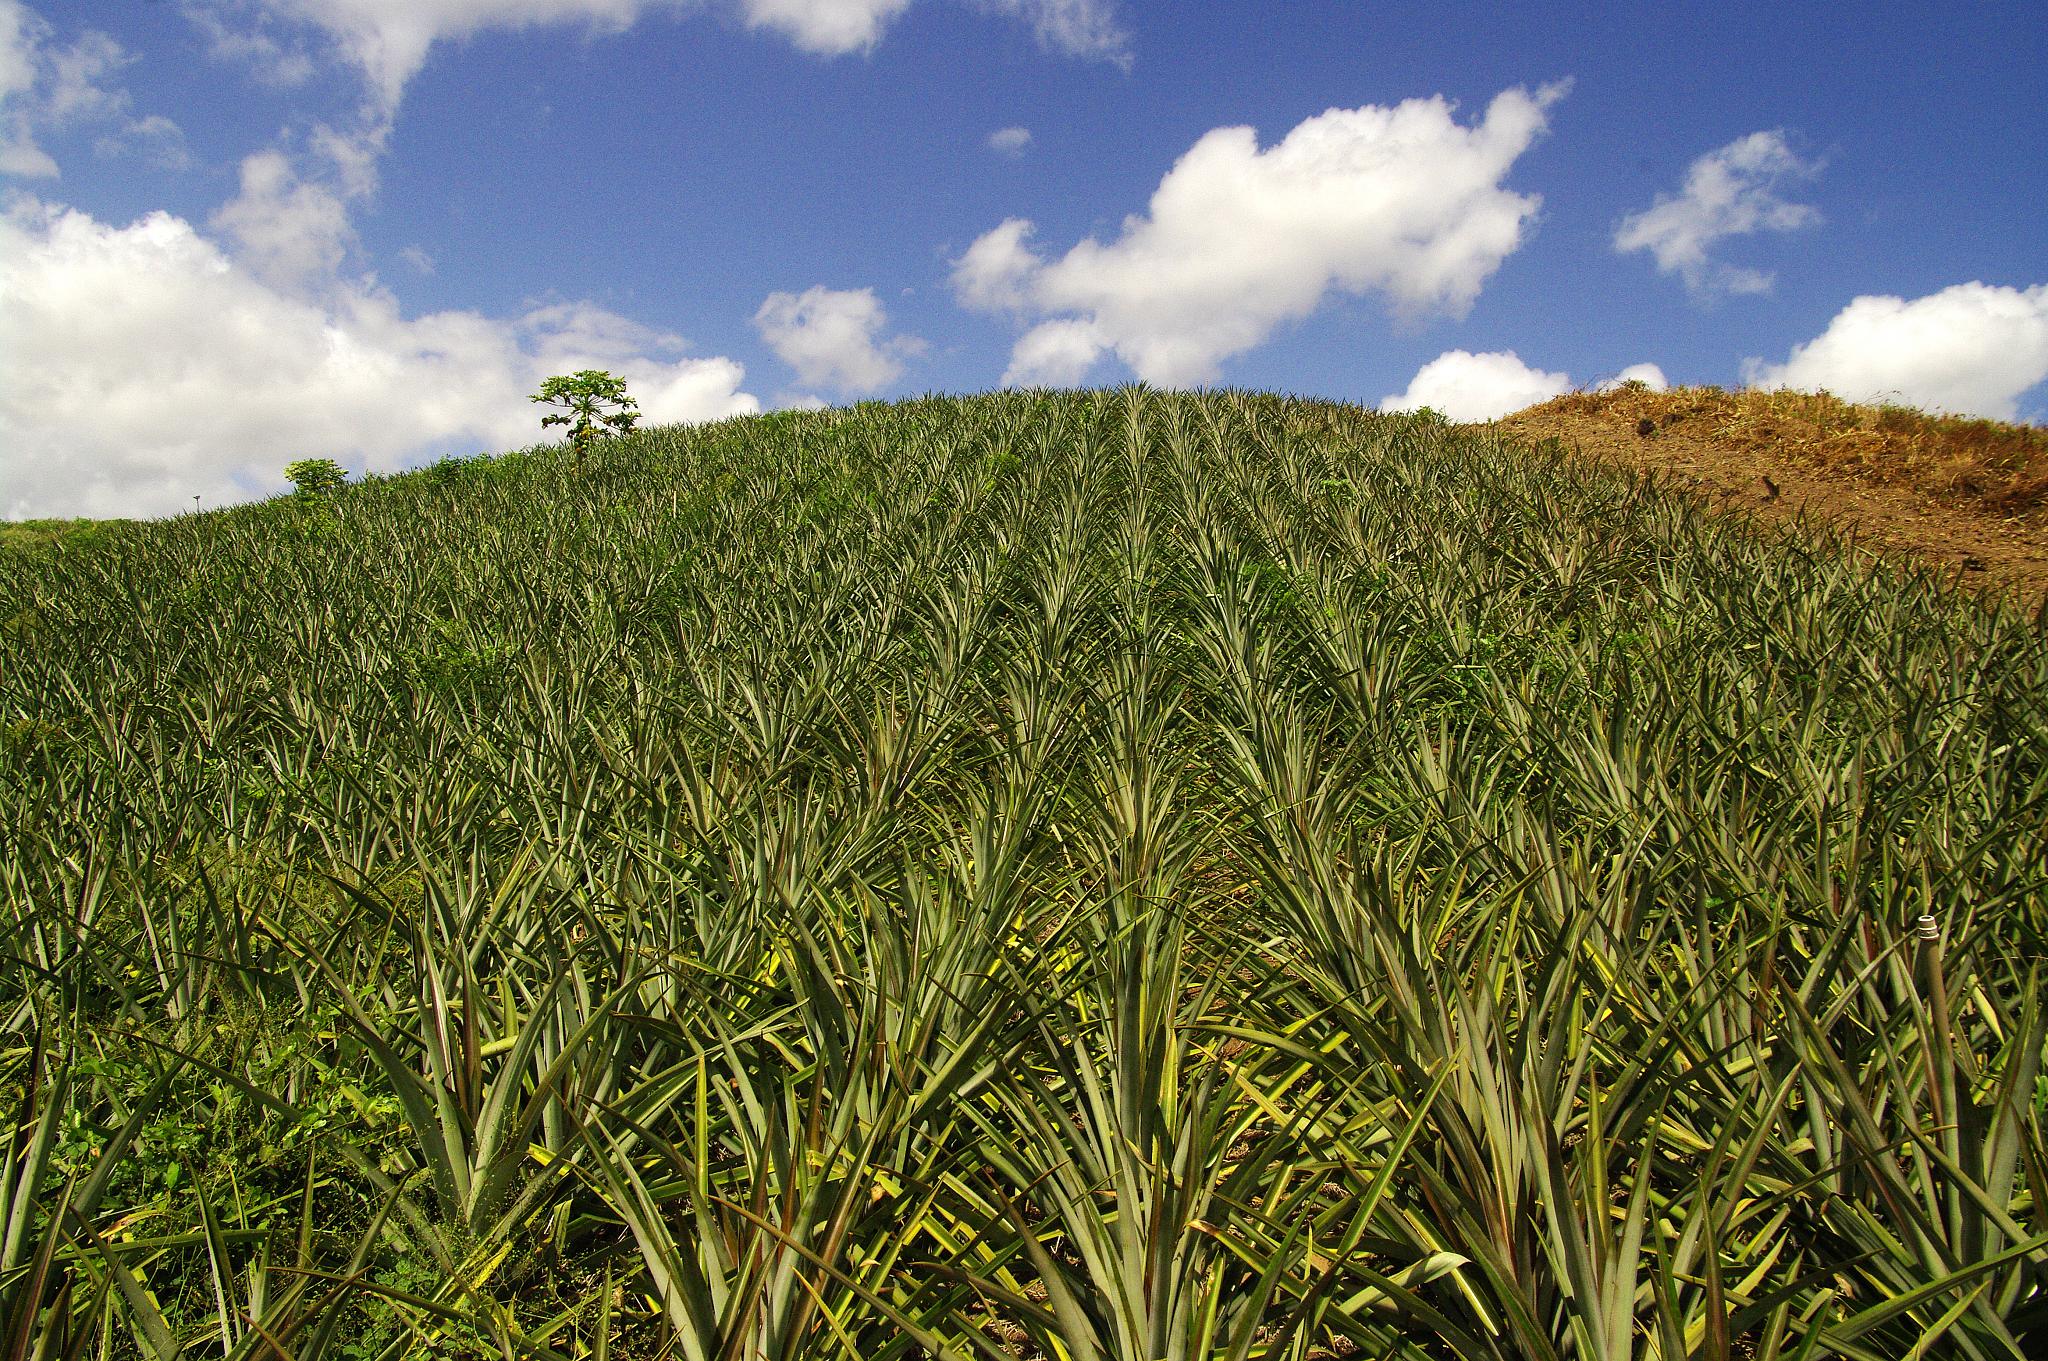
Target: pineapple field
[{"x": 1116, "y": 876}]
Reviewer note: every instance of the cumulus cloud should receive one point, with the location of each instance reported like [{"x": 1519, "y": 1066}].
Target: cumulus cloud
[
  {"x": 1054, "y": 354},
  {"x": 1649, "y": 375},
  {"x": 290, "y": 221},
  {"x": 834, "y": 338},
  {"x": 1477, "y": 387},
  {"x": 147, "y": 365},
  {"x": 288, "y": 232},
  {"x": 1973, "y": 349},
  {"x": 996, "y": 272},
  {"x": 45, "y": 87},
  {"x": 1010, "y": 141},
  {"x": 1731, "y": 191},
  {"x": 1237, "y": 240}
]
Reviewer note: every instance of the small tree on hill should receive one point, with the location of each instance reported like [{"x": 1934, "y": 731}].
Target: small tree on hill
[
  {"x": 594, "y": 401},
  {"x": 315, "y": 476}
]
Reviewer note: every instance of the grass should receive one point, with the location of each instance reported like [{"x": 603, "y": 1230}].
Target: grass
[
  {"x": 1994, "y": 463},
  {"x": 58, "y": 535},
  {"x": 1112, "y": 875}
]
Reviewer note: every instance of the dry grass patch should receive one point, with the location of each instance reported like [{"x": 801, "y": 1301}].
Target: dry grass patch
[{"x": 1998, "y": 464}]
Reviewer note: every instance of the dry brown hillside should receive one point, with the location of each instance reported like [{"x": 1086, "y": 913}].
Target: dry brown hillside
[{"x": 1965, "y": 495}]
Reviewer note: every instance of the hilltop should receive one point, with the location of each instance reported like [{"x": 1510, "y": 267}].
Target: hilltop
[
  {"x": 1117, "y": 874},
  {"x": 1961, "y": 496}
]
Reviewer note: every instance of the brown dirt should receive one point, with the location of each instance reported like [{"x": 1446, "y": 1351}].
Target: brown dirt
[{"x": 1985, "y": 541}]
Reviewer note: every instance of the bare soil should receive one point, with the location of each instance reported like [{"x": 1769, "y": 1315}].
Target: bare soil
[{"x": 1987, "y": 547}]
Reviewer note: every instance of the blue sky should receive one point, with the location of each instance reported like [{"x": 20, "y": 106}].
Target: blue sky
[{"x": 239, "y": 232}]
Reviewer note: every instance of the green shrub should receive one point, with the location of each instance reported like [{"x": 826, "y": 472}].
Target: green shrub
[{"x": 316, "y": 476}]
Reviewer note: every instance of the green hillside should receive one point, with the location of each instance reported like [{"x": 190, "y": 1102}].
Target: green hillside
[{"x": 1116, "y": 875}]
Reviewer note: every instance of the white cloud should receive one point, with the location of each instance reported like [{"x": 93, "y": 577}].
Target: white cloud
[
  {"x": 833, "y": 338},
  {"x": 73, "y": 90},
  {"x": 1973, "y": 349},
  {"x": 1731, "y": 191},
  {"x": 45, "y": 87},
  {"x": 146, "y": 365},
  {"x": 998, "y": 270},
  {"x": 20, "y": 32},
  {"x": 1054, "y": 354},
  {"x": 290, "y": 228},
  {"x": 418, "y": 258},
  {"x": 1237, "y": 240},
  {"x": 828, "y": 27},
  {"x": 1079, "y": 28},
  {"x": 153, "y": 137},
  {"x": 1649, "y": 375},
  {"x": 1477, "y": 387},
  {"x": 1010, "y": 141},
  {"x": 388, "y": 40},
  {"x": 288, "y": 232},
  {"x": 21, "y": 41},
  {"x": 270, "y": 61},
  {"x": 352, "y": 156}
]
